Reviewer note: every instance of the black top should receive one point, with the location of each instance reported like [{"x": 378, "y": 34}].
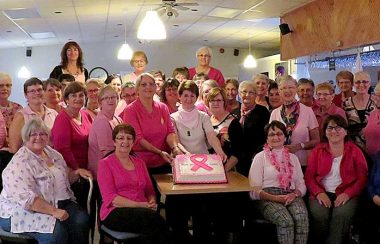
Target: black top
[
  {"x": 57, "y": 71},
  {"x": 253, "y": 137}
]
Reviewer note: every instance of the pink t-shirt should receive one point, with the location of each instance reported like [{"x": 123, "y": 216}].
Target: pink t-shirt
[
  {"x": 306, "y": 122},
  {"x": 202, "y": 107},
  {"x": 153, "y": 127},
  {"x": 114, "y": 180},
  {"x": 372, "y": 133},
  {"x": 213, "y": 74},
  {"x": 100, "y": 140},
  {"x": 71, "y": 139},
  {"x": 3, "y": 131}
]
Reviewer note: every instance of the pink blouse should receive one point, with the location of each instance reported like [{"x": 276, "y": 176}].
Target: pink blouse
[
  {"x": 114, "y": 180},
  {"x": 213, "y": 74},
  {"x": 153, "y": 127},
  {"x": 3, "y": 131},
  {"x": 372, "y": 133},
  {"x": 71, "y": 139}
]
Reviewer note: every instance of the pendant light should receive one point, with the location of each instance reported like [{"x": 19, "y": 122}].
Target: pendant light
[
  {"x": 250, "y": 61},
  {"x": 151, "y": 28},
  {"x": 125, "y": 51}
]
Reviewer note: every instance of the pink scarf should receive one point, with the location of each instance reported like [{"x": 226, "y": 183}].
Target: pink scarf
[
  {"x": 284, "y": 168},
  {"x": 188, "y": 118},
  {"x": 244, "y": 111}
]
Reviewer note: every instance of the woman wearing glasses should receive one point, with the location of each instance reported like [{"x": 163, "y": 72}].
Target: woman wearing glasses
[
  {"x": 139, "y": 62},
  {"x": 34, "y": 94},
  {"x": 92, "y": 104},
  {"x": 169, "y": 94},
  {"x": 359, "y": 107},
  {"x": 203, "y": 56},
  {"x": 335, "y": 176},
  {"x": 300, "y": 121}
]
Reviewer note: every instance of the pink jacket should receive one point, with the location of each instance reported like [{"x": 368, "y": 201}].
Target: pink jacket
[{"x": 353, "y": 170}]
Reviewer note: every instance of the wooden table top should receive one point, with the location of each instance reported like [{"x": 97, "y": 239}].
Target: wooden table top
[{"x": 236, "y": 183}]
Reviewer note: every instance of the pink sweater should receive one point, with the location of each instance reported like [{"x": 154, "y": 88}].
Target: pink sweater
[
  {"x": 114, "y": 180},
  {"x": 3, "y": 131},
  {"x": 372, "y": 133},
  {"x": 153, "y": 127},
  {"x": 71, "y": 139},
  {"x": 213, "y": 74}
]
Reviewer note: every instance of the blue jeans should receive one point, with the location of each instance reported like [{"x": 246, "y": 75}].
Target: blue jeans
[{"x": 73, "y": 230}]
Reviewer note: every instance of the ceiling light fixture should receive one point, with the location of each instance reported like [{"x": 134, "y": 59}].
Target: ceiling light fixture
[
  {"x": 151, "y": 28},
  {"x": 23, "y": 73},
  {"x": 250, "y": 61},
  {"x": 125, "y": 51}
]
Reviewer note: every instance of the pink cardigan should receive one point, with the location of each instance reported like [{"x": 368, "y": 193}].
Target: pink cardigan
[
  {"x": 153, "y": 127},
  {"x": 71, "y": 139},
  {"x": 353, "y": 170},
  {"x": 213, "y": 74},
  {"x": 114, "y": 180}
]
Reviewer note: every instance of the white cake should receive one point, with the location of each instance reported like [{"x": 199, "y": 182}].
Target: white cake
[{"x": 198, "y": 168}]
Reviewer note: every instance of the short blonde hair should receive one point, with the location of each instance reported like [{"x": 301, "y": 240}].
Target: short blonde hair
[
  {"x": 215, "y": 92},
  {"x": 95, "y": 81},
  {"x": 248, "y": 83},
  {"x": 261, "y": 77},
  {"x": 33, "y": 124},
  {"x": 286, "y": 78},
  {"x": 104, "y": 89},
  {"x": 139, "y": 78},
  {"x": 325, "y": 86},
  {"x": 362, "y": 74},
  {"x": 5, "y": 76},
  {"x": 136, "y": 54}
]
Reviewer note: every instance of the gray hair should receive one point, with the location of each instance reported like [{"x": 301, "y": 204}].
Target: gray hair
[
  {"x": 260, "y": 77},
  {"x": 204, "y": 48},
  {"x": 33, "y": 124},
  {"x": 5, "y": 76},
  {"x": 286, "y": 78},
  {"x": 247, "y": 83},
  {"x": 139, "y": 78},
  {"x": 128, "y": 85},
  {"x": 210, "y": 83}
]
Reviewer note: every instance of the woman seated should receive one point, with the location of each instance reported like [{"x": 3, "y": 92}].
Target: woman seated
[
  {"x": 278, "y": 183},
  {"x": 129, "y": 202},
  {"x": 37, "y": 200},
  {"x": 372, "y": 223},
  {"x": 335, "y": 176}
]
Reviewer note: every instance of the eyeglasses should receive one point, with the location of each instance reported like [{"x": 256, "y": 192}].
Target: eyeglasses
[
  {"x": 247, "y": 93},
  {"x": 34, "y": 91},
  {"x": 278, "y": 134},
  {"x": 148, "y": 84},
  {"x": 5, "y": 85},
  {"x": 93, "y": 90},
  {"x": 204, "y": 56},
  {"x": 74, "y": 95},
  {"x": 364, "y": 82},
  {"x": 217, "y": 101},
  {"x": 38, "y": 134},
  {"x": 124, "y": 138},
  {"x": 139, "y": 61},
  {"x": 111, "y": 98},
  {"x": 336, "y": 128},
  {"x": 323, "y": 94}
]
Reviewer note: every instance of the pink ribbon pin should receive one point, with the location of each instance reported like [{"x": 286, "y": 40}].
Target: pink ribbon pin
[{"x": 200, "y": 163}]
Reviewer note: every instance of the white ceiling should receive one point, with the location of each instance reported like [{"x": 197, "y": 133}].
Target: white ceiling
[{"x": 87, "y": 21}]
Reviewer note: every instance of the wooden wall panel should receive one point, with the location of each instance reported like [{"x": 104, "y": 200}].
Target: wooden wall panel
[{"x": 319, "y": 25}]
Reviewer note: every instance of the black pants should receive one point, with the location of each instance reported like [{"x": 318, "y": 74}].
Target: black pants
[{"x": 144, "y": 221}]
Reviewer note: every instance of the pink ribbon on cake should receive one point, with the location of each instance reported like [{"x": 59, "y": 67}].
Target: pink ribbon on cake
[{"x": 201, "y": 163}]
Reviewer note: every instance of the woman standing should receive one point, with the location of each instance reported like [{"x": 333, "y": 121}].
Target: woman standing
[
  {"x": 262, "y": 83},
  {"x": 71, "y": 63},
  {"x": 155, "y": 134},
  {"x": 372, "y": 130},
  {"x": 139, "y": 62},
  {"x": 300, "y": 121},
  {"x": 129, "y": 203},
  {"x": 34, "y": 94},
  {"x": 53, "y": 94},
  {"x": 204, "y": 55},
  {"x": 169, "y": 94},
  {"x": 359, "y": 107},
  {"x": 203, "y": 91},
  {"x": 336, "y": 174},
  {"x": 72, "y": 127},
  {"x": 92, "y": 104},
  {"x": 231, "y": 88},
  {"x": 253, "y": 118},
  {"x": 278, "y": 183}
]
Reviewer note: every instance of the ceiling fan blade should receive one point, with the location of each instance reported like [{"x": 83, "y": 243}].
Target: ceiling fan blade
[
  {"x": 175, "y": 13},
  {"x": 161, "y": 11},
  {"x": 180, "y": 7}
]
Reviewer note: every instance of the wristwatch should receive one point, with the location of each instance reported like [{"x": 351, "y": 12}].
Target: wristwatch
[{"x": 302, "y": 145}]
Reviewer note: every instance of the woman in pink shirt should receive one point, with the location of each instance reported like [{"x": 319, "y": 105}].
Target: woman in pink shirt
[
  {"x": 204, "y": 55},
  {"x": 129, "y": 203},
  {"x": 72, "y": 127},
  {"x": 155, "y": 134},
  {"x": 203, "y": 91}
]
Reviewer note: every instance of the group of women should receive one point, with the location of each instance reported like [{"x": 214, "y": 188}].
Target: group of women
[{"x": 122, "y": 132}]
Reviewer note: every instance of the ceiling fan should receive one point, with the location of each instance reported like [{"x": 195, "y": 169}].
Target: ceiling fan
[{"x": 171, "y": 7}]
